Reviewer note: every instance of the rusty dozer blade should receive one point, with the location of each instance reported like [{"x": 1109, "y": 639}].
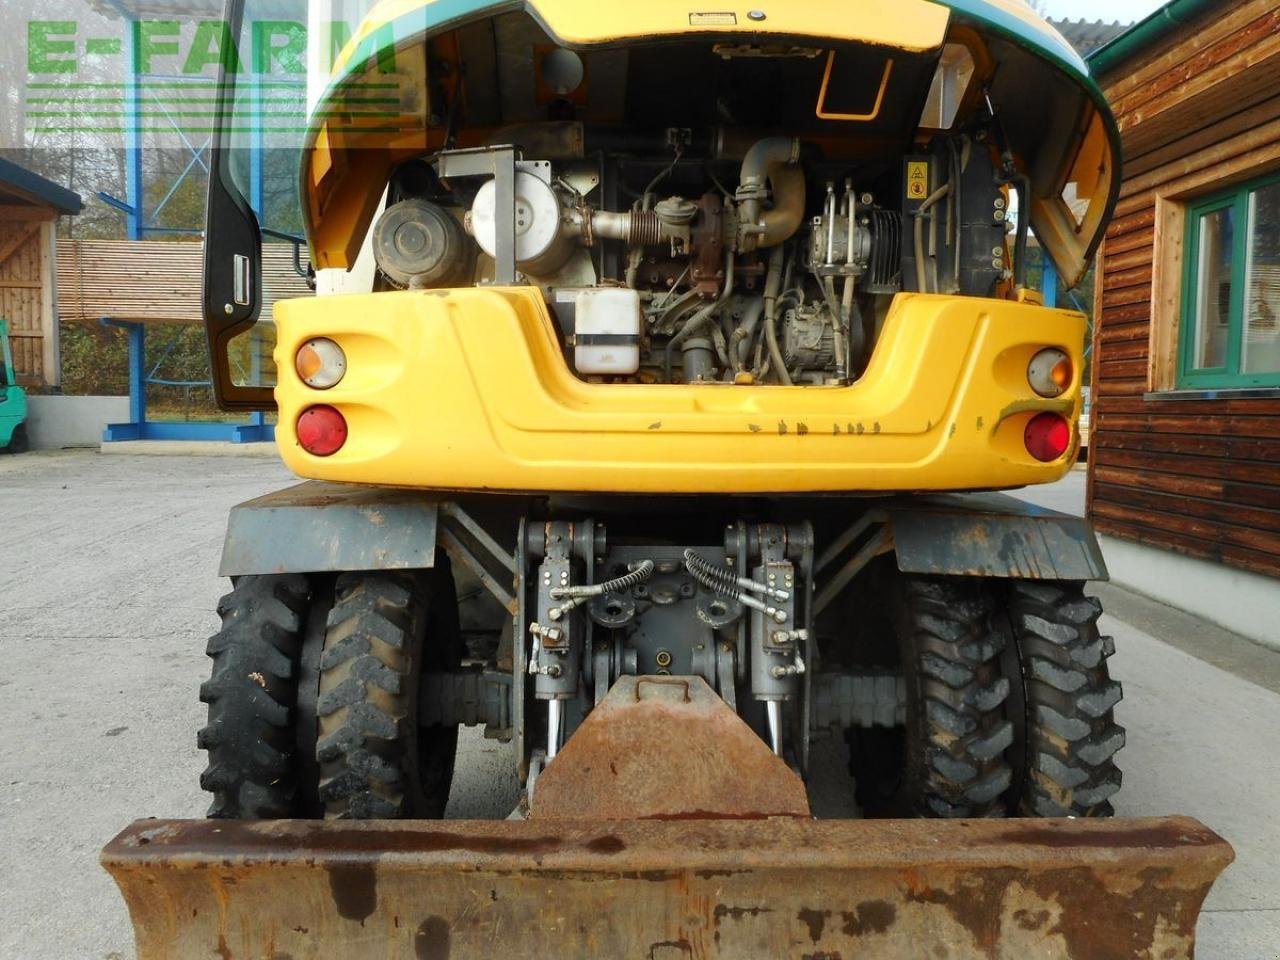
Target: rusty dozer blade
[
  {"x": 666, "y": 829},
  {"x": 667, "y": 890}
]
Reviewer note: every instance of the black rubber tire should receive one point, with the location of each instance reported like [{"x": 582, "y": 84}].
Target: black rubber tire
[
  {"x": 1071, "y": 738},
  {"x": 19, "y": 441},
  {"x": 251, "y": 693},
  {"x": 952, "y": 751},
  {"x": 306, "y": 726},
  {"x": 375, "y": 761}
]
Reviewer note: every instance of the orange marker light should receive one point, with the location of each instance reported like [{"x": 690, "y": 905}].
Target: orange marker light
[
  {"x": 320, "y": 363},
  {"x": 1050, "y": 373},
  {"x": 1061, "y": 373}
]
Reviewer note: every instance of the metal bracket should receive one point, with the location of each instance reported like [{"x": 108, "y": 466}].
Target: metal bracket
[
  {"x": 457, "y": 527},
  {"x": 500, "y": 163}
]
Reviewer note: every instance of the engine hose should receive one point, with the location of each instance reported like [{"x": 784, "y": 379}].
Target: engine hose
[
  {"x": 857, "y": 334},
  {"x": 637, "y": 253},
  {"x": 744, "y": 336},
  {"x": 698, "y": 319},
  {"x": 670, "y": 311},
  {"x": 776, "y": 259},
  {"x": 764, "y": 360},
  {"x": 838, "y": 340},
  {"x": 727, "y": 583},
  {"x": 775, "y": 352},
  {"x": 922, "y": 282},
  {"x": 645, "y": 229}
]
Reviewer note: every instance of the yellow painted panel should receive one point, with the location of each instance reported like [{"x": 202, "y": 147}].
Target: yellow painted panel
[
  {"x": 905, "y": 24},
  {"x": 471, "y": 391}
]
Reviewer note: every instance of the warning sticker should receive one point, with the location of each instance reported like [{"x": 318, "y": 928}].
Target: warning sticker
[
  {"x": 713, "y": 19},
  {"x": 917, "y": 179}
]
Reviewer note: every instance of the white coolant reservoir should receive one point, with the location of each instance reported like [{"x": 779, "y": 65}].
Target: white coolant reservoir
[{"x": 606, "y": 331}]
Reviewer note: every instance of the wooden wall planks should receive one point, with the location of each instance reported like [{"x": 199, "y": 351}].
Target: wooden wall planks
[
  {"x": 1197, "y": 476},
  {"x": 154, "y": 281}
]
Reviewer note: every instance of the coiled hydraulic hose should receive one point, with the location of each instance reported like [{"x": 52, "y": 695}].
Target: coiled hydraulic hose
[
  {"x": 726, "y": 583},
  {"x": 581, "y": 594},
  {"x": 641, "y": 572}
]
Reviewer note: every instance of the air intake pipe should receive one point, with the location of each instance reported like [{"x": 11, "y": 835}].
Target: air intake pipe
[{"x": 770, "y": 164}]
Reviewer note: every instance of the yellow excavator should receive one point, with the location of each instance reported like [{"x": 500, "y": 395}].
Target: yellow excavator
[{"x": 662, "y": 442}]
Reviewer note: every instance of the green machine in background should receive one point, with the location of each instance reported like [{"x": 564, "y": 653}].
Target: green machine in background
[{"x": 13, "y": 400}]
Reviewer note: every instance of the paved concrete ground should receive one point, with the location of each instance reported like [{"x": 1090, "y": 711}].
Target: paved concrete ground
[{"x": 107, "y": 597}]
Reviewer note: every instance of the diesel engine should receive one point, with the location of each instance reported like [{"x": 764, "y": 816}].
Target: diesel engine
[{"x": 688, "y": 257}]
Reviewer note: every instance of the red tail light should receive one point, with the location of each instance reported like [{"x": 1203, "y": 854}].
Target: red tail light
[
  {"x": 322, "y": 431},
  {"x": 1047, "y": 437}
]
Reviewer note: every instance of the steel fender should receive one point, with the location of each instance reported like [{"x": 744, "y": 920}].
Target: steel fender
[
  {"x": 993, "y": 535},
  {"x": 320, "y": 527}
]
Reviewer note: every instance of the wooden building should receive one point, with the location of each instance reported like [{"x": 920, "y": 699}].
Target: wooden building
[
  {"x": 29, "y": 210},
  {"x": 155, "y": 281},
  {"x": 1185, "y": 451},
  {"x": 134, "y": 284}
]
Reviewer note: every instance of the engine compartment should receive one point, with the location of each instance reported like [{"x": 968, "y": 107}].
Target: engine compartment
[{"x": 761, "y": 249}]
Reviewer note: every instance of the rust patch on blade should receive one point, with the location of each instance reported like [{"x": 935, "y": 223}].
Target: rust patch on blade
[
  {"x": 354, "y": 887},
  {"x": 1093, "y": 920},
  {"x": 815, "y": 920},
  {"x": 976, "y": 903},
  {"x": 431, "y": 939},
  {"x": 870, "y": 916},
  {"x": 608, "y": 844},
  {"x": 1156, "y": 837}
]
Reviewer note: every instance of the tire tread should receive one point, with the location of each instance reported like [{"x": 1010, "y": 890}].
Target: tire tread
[
  {"x": 1072, "y": 736},
  {"x": 950, "y": 637},
  {"x": 250, "y": 695}
]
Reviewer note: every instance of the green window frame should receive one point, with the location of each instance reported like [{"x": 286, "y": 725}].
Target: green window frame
[{"x": 1227, "y": 373}]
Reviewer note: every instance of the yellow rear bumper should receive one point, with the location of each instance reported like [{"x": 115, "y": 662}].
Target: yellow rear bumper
[{"x": 468, "y": 389}]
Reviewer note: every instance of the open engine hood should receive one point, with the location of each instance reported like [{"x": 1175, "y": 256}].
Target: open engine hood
[{"x": 1056, "y": 118}]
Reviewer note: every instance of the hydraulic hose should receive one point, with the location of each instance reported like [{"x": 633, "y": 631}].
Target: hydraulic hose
[
  {"x": 773, "y": 282},
  {"x": 642, "y": 572},
  {"x": 922, "y": 281},
  {"x": 577, "y": 596},
  {"x": 838, "y": 340},
  {"x": 726, "y": 583}
]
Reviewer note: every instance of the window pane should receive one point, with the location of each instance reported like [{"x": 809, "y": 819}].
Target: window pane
[
  {"x": 1213, "y": 288},
  {"x": 1260, "y": 352},
  {"x": 251, "y": 356}
]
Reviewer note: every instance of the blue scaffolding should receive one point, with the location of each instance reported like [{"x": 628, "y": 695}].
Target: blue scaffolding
[{"x": 138, "y": 101}]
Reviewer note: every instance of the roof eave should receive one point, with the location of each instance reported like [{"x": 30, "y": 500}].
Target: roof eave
[
  {"x": 39, "y": 189},
  {"x": 1145, "y": 34}
]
